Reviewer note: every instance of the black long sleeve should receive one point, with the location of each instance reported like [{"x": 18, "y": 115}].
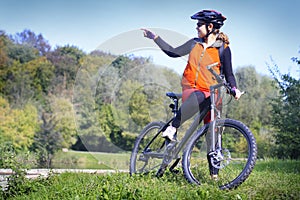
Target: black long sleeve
[
  {"x": 227, "y": 67},
  {"x": 175, "y": 52}
]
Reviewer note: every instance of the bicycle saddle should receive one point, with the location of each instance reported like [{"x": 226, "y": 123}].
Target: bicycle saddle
[{"x": 174, "y": 95}]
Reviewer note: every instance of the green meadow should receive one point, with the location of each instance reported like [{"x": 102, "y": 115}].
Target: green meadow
[{"x": 271, "y": 179}]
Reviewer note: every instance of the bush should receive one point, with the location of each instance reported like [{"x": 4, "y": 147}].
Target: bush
[{"x": 17, "y": 182}]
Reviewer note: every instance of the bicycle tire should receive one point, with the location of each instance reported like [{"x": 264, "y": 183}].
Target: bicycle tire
[
  {"x": 147, "y": 153},
  {"x": 237, "y": 139}
]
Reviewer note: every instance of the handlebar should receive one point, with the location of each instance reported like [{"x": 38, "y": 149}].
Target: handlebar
[
  {"x": 220, "y": 79},
  {"x": 210, "y": 68}
]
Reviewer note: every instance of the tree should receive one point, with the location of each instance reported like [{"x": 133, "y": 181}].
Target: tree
[
  {"x": 254, "y": 107},
  {"x": 66, "y": 60},
  {"x": 286, "y": 117},
  {"x": 30, "y": 39},
  {"x": 22, "y": 53},
  {"x": 47, "y": 140},
  {"x": 64, "y": 122},
  {"x": 248, "y": 80},
  {"x": 57, "y": 129},
  {"x": 23, "y": 82},
  {"x": 18, "y": 126},
  {"x": 4, "y": 40}
]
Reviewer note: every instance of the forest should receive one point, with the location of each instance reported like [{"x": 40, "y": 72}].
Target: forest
[{"x": 54, "y": 98}]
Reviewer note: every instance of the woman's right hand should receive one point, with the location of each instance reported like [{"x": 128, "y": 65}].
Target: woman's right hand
[
  {"x": 238, "y": 93},
  {"x": 149, "y": 34}
]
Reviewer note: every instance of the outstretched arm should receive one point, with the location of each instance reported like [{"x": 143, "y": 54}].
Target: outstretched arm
[{"x": 168, "y": 49}]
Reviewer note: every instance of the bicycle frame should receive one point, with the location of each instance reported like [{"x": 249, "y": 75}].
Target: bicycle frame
[
  {"x": 200, "y": 116},
  {"x": 197, "y": 119},
  {"x": 232, "y": 169}
]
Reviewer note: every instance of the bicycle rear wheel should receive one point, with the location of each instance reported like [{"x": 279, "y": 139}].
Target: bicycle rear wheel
[
  {"x": 238, "y": 157},
  {"x": 148, "y": 151}
]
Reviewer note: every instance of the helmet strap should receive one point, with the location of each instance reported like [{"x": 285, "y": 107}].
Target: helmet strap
[{"x": 207, "y": 32}]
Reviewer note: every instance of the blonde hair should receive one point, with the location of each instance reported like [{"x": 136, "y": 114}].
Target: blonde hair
[{"x": 222, "y": 36}]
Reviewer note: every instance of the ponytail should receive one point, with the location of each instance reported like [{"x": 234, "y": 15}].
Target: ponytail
[{"x": 222, "y": 36}]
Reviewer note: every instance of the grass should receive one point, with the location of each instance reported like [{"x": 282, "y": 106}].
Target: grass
[
  {"x": 271, "y": 179},
  {"x": 91, "y": 160}
]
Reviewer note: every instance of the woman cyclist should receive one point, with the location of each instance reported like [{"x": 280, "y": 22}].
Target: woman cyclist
[{"x": 196, "y": 79}]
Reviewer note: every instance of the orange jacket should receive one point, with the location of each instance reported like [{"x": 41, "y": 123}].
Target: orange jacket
[{"x": 196, "y": 75}]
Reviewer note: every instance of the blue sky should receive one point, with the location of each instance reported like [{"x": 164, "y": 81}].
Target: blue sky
[{"x": 257, "y": 29}]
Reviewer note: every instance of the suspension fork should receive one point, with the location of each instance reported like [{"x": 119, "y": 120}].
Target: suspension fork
[{"x": 212, "y": 127}]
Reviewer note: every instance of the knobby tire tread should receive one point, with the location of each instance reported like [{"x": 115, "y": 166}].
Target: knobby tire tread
[
  {"x": 138, "y": 140},
  {"x": 245, "y": 172}
]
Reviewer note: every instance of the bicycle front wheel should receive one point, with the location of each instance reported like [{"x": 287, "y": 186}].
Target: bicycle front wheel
[
  {"x": 236, "y": 159},
  {"x": 148, "y": 151}
]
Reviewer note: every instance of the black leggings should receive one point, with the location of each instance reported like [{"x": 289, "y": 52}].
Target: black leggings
[{"x": 193, "y": 104}]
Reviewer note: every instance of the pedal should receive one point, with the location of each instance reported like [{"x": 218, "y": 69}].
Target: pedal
[
  {"x": 161, "y": 171},
  {"x": 168, "y": 156},
  {"x": 175, "y": 171}
]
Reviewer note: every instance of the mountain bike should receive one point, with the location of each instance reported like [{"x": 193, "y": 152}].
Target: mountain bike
[{"x": 225, "y": 146}]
